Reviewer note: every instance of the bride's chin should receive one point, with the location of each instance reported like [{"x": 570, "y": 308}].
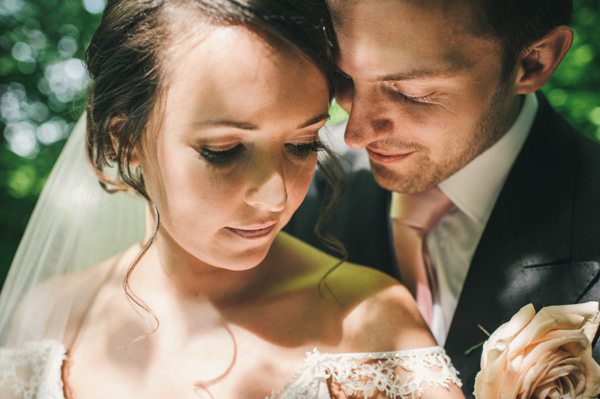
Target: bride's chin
[
  {"x": 248, "y": 261},
  {"x": 242, "y": 260}
]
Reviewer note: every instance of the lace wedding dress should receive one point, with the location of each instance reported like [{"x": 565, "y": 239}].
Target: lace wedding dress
[{"x": 35, "y": 371}]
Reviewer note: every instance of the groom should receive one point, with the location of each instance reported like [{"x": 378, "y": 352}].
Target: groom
[{"x": 443, "y": 95}]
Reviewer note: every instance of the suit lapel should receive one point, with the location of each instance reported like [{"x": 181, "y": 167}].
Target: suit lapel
[{"x": 525, "y": 251}]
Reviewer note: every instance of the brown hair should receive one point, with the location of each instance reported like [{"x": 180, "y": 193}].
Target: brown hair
[{"x": 518, "y": 24}]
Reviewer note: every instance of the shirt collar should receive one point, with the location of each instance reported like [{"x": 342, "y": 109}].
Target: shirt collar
[{"x": 475, "y": 188}]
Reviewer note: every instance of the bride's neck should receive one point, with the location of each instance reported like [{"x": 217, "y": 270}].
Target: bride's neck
[
  {"x": 167, "y": 269},
  {"x": 171, "y": 269}
]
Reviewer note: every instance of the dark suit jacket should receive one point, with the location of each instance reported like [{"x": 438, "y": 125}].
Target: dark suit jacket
[{"x": 541, "y": 244}]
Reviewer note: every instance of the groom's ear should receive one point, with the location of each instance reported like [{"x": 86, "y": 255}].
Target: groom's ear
[
  {"x": 115, "y": 129},
  {"x": 541, "y": 59}
]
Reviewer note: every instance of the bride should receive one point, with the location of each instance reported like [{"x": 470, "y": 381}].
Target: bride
[{"x": 210, "y": 110}]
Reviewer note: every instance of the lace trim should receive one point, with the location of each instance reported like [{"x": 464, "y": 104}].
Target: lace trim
[
  {"x": 365, "y": 373},
  {"x": 33, "y": 370}
]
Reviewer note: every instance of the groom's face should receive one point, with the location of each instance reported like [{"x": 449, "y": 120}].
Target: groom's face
[{"x": 425, "y": 95}]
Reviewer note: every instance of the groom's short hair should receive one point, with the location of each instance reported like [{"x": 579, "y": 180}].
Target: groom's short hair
[{"x": 518, "y": 24}]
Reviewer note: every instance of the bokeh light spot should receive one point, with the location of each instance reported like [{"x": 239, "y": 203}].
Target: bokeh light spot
[
  {"x": 49, "y": 132},
  {"x": 94, "y": 6},
  {"x": 595, "y": 116},
  {"x": 67, "y": 46},
  {"x": 37, "y": 39},
  {"x": 21, "y": 139},
  {"x": 557, "y": 97},
  {"x": 22, "y": 52},
  {"x": 38, "y": 111},
  {"x": 586, "y": 16},
  {"x": 583, "y": 54},
  {"x": 21, "y": 181},
  {"x": 11, "y": 7}
]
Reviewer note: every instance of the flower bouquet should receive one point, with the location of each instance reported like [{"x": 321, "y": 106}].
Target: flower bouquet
[{"x": 543, "y": 355}]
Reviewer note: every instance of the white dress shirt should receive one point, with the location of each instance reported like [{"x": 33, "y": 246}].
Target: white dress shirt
[{"x": 474, "y": 190}]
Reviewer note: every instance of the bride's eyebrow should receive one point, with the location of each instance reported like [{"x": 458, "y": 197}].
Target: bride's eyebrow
[
  {"x": 315, "y": 120},
  {"x": 227, "y": 123},
  {"x": 251, "y": 126}
]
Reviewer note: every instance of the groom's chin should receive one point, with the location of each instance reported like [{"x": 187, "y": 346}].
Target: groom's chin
[{"x": 408, "y": 182}]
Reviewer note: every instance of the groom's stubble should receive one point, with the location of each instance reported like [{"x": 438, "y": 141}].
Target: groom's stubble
[{"x": 491, "y": 127}]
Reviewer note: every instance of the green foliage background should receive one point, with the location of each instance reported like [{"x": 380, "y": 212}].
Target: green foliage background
[{"x": 42, "y": 93}]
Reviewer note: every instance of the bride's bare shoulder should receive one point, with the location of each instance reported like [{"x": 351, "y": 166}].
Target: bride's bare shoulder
[
  {"x": 378, "y": 312},
  {"x": 381, "y": 314},
  {"x": 59, "y": 304},
  {"x": 384, "y": 315}
]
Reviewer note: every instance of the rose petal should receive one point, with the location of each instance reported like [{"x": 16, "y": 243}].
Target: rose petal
[
  {"x": 507, "y": 331},
  {"x": 592, "y": 380},
  {"x": 547, "y": 346},
  {"x": 543, "y": 355},
  {"x": 536, "y": 375},
  {"x": 572, "y": 317},
  {"x": 542, "y": 324},
  {"x": 548, "y": 391},
  {"x": 493, "y": 362},
  {"x": 588, "y": 310}
]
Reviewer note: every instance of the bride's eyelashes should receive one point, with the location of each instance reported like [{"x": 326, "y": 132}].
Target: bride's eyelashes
[
  {"x": 223, "y": 157},
  {"x": 303, "y": 150}
]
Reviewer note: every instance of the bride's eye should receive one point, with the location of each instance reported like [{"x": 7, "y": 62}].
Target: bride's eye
[
  {"x": 303, "y": 150},
  {"x": 221, "y": 157}
]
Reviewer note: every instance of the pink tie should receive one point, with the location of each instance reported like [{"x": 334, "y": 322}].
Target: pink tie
[{"x": 413, "y": 216}]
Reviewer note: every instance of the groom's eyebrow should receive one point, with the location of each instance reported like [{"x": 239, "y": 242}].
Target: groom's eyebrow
[
  {"x": 422, "y": 73},
  {"x": 413, "y": 74}
]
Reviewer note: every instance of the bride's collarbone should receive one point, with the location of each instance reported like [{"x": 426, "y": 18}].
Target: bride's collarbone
[
  {"x": 173, "y": 362},
  {"x": 223, "y": 365}
]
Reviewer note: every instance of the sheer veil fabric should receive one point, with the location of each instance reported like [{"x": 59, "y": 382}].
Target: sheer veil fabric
[{"x": 75, "y": 224}]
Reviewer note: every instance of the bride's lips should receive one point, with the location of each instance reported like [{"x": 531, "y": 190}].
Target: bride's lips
[
  {"x": 385, "y": 157},
  {"x": 252, "y": 232}
]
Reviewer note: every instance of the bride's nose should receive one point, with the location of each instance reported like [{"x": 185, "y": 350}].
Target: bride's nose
[{"x": 267, "y": 187}]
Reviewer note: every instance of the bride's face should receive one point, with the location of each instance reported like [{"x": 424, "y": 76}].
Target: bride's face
[{"x": 233, "y": 152}]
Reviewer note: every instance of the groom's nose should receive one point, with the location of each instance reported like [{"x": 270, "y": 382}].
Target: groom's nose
[{"x": 369, "y": 120}]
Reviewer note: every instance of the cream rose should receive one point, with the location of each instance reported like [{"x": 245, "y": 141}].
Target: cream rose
[{"x": 543, "y": 355}]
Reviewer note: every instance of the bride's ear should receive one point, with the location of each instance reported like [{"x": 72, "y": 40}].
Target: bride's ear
[
  {"x": 115, "y": 129},
  {"x": 541, "y": 59}
]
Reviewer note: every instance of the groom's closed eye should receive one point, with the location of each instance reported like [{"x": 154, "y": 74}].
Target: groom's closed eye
[{"x": 400, "y": 95}]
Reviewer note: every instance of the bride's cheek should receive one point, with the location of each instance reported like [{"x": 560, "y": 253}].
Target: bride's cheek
[
  {"x": 300, "y": 182},
  {"x": 191, "y": 193}
]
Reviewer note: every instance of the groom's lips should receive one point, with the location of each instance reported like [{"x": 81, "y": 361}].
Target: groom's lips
[{"x": 382, "y": 157}]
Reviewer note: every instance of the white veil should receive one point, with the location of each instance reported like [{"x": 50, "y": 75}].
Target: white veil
[{"x": 75, "y": 224}]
